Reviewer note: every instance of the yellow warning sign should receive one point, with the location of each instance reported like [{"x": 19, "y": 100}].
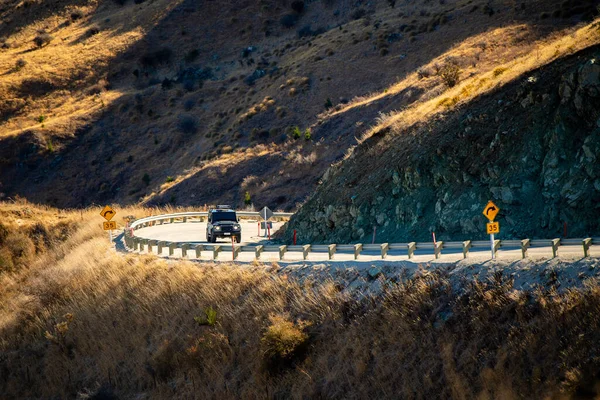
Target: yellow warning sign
[
  {"x": 493, "y": 228},
  {"x": 108, "y": 213},
  {"x": 109, "y": 225},
  {"x": 491, "y": 210}
]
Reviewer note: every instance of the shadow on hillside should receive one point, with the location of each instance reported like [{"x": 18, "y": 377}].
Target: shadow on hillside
[
  {"x": 120, "y": 145},
  {"x": 17, "y": 14}
]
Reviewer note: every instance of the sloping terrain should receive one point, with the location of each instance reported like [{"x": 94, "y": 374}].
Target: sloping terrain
[
  {"x": 532, "y": 146},
  {"x": 187, "y": 102},
  {"x": 78, "y": 320}
]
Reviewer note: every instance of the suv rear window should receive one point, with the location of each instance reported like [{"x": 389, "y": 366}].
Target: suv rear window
[{"x": 224, "y": 216}]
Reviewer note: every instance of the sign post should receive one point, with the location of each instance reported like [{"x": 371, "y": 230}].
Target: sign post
[
  {"x": 490, "y": 211},
  {"x": 108, "y": 213},
  {"x": 266, "y": 214}
]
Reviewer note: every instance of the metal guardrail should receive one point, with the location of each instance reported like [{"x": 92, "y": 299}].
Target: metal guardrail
[
  {"x": 187, "y": 216},
  {"x": 138, "y": 244}
]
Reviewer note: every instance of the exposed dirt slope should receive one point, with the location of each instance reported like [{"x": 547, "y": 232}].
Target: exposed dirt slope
[{"x": 188, "y": 103}]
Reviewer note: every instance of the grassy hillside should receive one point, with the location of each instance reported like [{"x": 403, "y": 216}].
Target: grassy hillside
[
  {"x": 80, "y": 320},
  {"x": 155, "y": 99}
]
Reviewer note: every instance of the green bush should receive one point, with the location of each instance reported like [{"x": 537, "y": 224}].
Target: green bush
[
  {"x": 296, "y": 133},
  {"x": 209, "y": 319},
  {"x": 307, "y": 134},
  {"x": 169, "y": 179},
  {"x": 20, "y": 64},
  {"x": 247, "y": 199},
  {"x": 146, "y": 179}
]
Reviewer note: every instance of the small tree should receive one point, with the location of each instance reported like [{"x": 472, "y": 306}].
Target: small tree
[
  {"x": 247, "y": 199},
  {"x": 146, "y": 179}
]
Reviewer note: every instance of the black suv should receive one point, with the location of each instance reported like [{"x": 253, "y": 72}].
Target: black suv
[{"x": 223, "y": 222}]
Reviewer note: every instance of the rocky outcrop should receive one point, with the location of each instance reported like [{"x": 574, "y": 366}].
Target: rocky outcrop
[{"x": 532, "y": 146}]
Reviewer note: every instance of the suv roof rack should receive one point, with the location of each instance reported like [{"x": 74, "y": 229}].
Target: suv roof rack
[{"x": 223, "y": 207}]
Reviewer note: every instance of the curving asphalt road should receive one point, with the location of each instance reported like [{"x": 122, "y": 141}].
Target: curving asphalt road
[{"x": 195, "y": 232}]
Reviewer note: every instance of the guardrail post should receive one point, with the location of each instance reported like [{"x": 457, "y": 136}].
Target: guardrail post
[
  {"x": 331, "y": 250},
  {"x": 172, "y": 220},
  {"x": 135, "y": 243},
  {"x": 555, "y": 244},
  {"x": 305, "y": 251},
  {"x": 466, "y": 248},
  {"x": 437, "y": 249},
  {"x": 184, "y": 249},
  {"x": 236, "y": 252},
  {"x": 184, "y": 220},
  {"x": 412, "y": 246},
  {"x": 172, "y": 247},
  {"x": 199, "y": 249},
  {"x": 587, "y": 243},
  {"x": 150, "y": 244},
  {"x": 257, "y": 251},
  {"x": 216, "y": 251},
  {"x": 161, "y": 244},
  {"x": 282, "y": 250},
  {"x": 357, "y": 249},
  {"x": 385, "y": 247},
  {"x": 496, "y": 246},
  {"x": 525, "y": 244}
]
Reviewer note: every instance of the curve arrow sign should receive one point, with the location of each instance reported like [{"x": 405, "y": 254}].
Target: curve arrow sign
[
  {"x": 491, "y": 210},
  {"x": 107, "y": 213}
]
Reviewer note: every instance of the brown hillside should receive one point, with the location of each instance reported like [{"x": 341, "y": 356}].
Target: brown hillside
[{"x": 189, "y": 103}]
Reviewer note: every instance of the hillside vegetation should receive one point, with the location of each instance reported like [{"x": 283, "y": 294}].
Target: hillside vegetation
[
  {"x": 78, "y": 320},
  {"x": 526, "y": 134},
  {"x": 155, "y": 99}
]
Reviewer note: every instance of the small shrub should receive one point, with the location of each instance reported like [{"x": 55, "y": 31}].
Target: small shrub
[
  {"x": 41, "y": 118},
  {"x": 20, "y": 246},
  {"x": 328, "y": 104},
  {"x": 169, "y": 179},
  {"x": 209, "y": 318},
  {"x": 423, "y": 73},
  {"x": 43, "y": 39},
  {"x": 77, "y": 14},
  {"x": 296, "y": 133},
  {"x": 247, "y": 199},
  {"x": 49, "y": 146},
  {"x": 307, "y": 134},
  {"x": 499, "y": 71},
  {"x": 283, "y": 339},
  {"x": 450, "y": 74},
  {"x": 146, "y": 179},
  {"x": 20, "y": 64},
  {"x": 92, "y": 30}
]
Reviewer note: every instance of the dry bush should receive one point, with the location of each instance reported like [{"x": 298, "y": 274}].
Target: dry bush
[
  {"x": 283, "y": 340},
  {"x": 43, "y": 39},
  {"x": 450, "y": 74}
]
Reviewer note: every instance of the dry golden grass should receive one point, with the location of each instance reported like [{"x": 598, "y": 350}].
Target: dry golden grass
[
  {"x": 80, "y": 319},
  {"x": 515, "y": 59}
]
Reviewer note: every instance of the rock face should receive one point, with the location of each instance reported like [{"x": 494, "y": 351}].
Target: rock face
[{"x": 533, "y": 147}]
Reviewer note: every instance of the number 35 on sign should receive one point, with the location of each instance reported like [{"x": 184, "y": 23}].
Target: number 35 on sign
[
  {"x": 493, "y": 228},
  {"x": 109, "y": 225}
]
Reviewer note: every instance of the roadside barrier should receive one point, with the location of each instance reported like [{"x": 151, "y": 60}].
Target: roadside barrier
[{"x": 188, "y": 250}]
